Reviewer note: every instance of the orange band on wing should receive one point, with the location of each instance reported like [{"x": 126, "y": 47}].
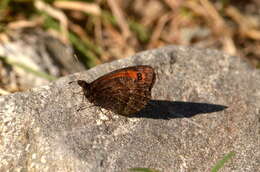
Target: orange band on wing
[{"x": 130, "y": 74}]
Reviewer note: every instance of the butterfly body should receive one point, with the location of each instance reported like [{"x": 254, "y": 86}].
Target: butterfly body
[{"x": 124, "y": 91}]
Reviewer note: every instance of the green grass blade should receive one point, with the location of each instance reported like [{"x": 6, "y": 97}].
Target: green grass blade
[
  {"x": 142, "y": 32},
  {"x": 221, "y": 162},
  {"x": 143, "y": 170},
  {"x": 30, "y": 70},
  {"x": 81, "y": 47},
  {"x": 4, "y": 4},
  {"x": 87, "y": 49}
]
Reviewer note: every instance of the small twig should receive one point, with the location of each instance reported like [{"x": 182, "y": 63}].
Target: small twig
[
  {"x": 3, "y": 92},
  {"x": 55, "y": 13},
  {"x": 158, "y": 29},
  {"x": 245, "y": 26},
  {"x": 117, "y": 12},
  {"x": 22, "y": 24},
  {"x": 217, "y": 23},
  {"x": 91, "y": 8}
]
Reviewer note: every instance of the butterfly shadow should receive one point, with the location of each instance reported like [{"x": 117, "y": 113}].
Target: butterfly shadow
[{"x": 162, "y": 109}]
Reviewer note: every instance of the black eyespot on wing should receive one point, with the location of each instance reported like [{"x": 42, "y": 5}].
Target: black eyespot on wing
[{"x": 139, "y": 76}]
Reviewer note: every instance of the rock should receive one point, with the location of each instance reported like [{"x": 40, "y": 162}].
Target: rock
[
  {"x": 28, "y": 53},
  {"x": 205, "y": 105}
]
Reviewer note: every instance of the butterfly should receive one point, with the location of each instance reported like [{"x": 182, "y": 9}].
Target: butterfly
[{"x": 124, "y": 91}]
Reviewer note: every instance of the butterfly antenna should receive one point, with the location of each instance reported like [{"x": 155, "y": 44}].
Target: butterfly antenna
[{"x": 72, "y": 82}]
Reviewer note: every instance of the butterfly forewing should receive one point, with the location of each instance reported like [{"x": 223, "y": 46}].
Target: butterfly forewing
[{"x": 124, "y": 91}]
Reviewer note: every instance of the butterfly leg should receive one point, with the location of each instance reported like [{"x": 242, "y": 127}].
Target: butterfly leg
[
  {"x": 107, "y": 113},
  {"x": 82, "y": 107},
  {"x": 85, "y": 107}
]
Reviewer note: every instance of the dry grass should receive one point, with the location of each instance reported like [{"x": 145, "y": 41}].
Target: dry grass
[{"x": 106, "y": 30}]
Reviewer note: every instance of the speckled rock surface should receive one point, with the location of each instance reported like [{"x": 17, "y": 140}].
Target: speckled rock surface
[{"x": 205, "y": 105}]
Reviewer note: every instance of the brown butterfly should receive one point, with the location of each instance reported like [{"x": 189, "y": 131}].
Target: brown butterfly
[{"x": 124, "y": 91}]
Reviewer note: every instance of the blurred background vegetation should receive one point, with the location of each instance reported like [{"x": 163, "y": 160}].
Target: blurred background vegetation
[{"x": 100, "y": 31}]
